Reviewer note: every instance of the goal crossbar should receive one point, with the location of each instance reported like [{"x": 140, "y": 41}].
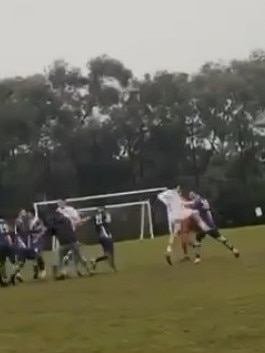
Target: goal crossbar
[
  {"x": 103, "y": 196},
  {"x": 115, "y": 205},
  {"x": 146, "y": 213}
]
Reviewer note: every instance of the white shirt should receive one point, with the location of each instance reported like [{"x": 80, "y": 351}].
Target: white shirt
[
  {"x": 172, "y": 200},
  {"x": 72, "y": 214},
  {"x": 175, "y": 206}
]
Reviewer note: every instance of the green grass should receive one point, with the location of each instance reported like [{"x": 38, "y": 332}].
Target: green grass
[{"x": 148, "y": 307}]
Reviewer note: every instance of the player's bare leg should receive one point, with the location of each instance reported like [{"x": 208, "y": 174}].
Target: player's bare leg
[
  {"x": 184, "y": 246},
  {"x": 186, "y": 238},
  {"x": 169, "y": 249}
]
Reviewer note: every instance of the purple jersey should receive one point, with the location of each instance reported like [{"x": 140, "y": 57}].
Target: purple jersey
[{"x": 204, "y": 209}]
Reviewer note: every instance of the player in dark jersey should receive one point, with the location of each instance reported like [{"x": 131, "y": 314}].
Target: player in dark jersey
[
  {"x": 61, "y": 227},
  {"x": 102, "y": 222},
  {"x": 22, "y": 226},
  {"x": 37, "y": 232},
  {"x": 207, "y": 226},
  {"x": 7, "y": 251}
]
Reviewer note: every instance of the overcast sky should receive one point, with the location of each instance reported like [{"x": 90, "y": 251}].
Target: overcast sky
[{"x": 147, "y": 35}]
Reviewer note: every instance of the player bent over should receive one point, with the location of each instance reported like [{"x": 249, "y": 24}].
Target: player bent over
[
  {"x": 61, "y": 227},
  {"x": 207, "y": 226},
  {"x": 102, "y": 221},
  {"x": 73, "y": 215}
]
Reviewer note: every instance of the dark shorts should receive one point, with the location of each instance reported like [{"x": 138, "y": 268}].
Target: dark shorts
[
  {"x": 213, "y": 233},
  {"x": 7, "y": 252},
  {"x": 24, "y": 254},
  {"x": 107, "y": 244}
]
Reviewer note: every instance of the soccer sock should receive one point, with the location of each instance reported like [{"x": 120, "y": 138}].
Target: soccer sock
[
  {"x": 112, "y": 261},
  {"x": 101, "y": 258},
  {"x": 40, "y": 263},
  {"x": 3, "y": 270},
  {"x": 170, "y": 243},
  {"x": 197, "y": 250},
  {"x": 35, "y": 271},
  {"x": 197, "y": 247},
  {"x": 224, "y": 241},
  {"x": 84, "y": 263}
]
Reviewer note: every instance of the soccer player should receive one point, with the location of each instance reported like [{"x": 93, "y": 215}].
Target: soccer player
[
  {"x": 23, "y": 242},
  {"x": 7, "y": 251},
  {"x": 61, "y": 227},
  {"x": 72, "y": 214},
  {"x": 176, "y": 213},
  {"x": 22, "y": 226},
  {"x": 102, "y": 221},
  {"x": 37, "y": 232},
  {"x": 207, "y": 226}
]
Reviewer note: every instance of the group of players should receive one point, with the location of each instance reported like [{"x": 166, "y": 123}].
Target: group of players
[
  {"x": 25, "y": 242},
  {"x": 190, "y": 219}
]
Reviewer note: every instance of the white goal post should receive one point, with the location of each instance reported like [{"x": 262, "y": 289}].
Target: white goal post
[
  {"x": 145, "y": 211},
  {"x": 144, "y": 204}
]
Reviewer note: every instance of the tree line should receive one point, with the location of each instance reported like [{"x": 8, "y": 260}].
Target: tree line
[{"x": 68, "y": 132}]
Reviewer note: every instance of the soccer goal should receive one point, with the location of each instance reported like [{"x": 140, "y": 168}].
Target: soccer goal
[{"x": 131, "y": 213}]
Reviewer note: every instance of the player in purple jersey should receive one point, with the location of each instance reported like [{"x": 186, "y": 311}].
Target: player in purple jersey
[
  {"x": 37, "y": 232},
  {"x": 102, "y": 222},
  {"x": 207, "y": 226},
  {"x": 8, "y": 251}
]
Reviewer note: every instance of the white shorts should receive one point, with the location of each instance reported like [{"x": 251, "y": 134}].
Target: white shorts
[{"x": 175, "y": 222}]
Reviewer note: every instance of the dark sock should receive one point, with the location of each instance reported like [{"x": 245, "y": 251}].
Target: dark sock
[
  {"x": 224, "y": 241},
  {"x": 197, "y": 249},
  {"x": 35, "y": 271},
  {"x": 40, "y": 263}
]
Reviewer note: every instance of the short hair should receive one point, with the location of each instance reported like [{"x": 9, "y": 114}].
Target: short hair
[{"x": 32, "y": 211}]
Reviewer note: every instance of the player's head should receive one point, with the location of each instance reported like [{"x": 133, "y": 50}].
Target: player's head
[
  {"x": 193, "y": 195},
  {"x": 31, "y": 213},
  {"x": 173, "y": 186},
  {"x": 61, "y": 203},
  {"x": 100, "y": 209},
  {"x": 22, "y": 213},
  {"x": 185, "y": 194}
]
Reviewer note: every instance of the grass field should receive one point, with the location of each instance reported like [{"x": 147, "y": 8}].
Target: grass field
[{"x": 148, "y": 307}]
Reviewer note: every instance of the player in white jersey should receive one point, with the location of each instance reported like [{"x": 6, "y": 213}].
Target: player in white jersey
[
  {"x": 72, "y": 214},
  {"x": 176, "y": 212}
]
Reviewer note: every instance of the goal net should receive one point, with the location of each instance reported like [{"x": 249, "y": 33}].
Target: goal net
[{"x": 132, "y": 214}]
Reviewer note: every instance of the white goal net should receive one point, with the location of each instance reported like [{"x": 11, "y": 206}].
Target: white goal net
[{"x": 131, "y": 213}]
